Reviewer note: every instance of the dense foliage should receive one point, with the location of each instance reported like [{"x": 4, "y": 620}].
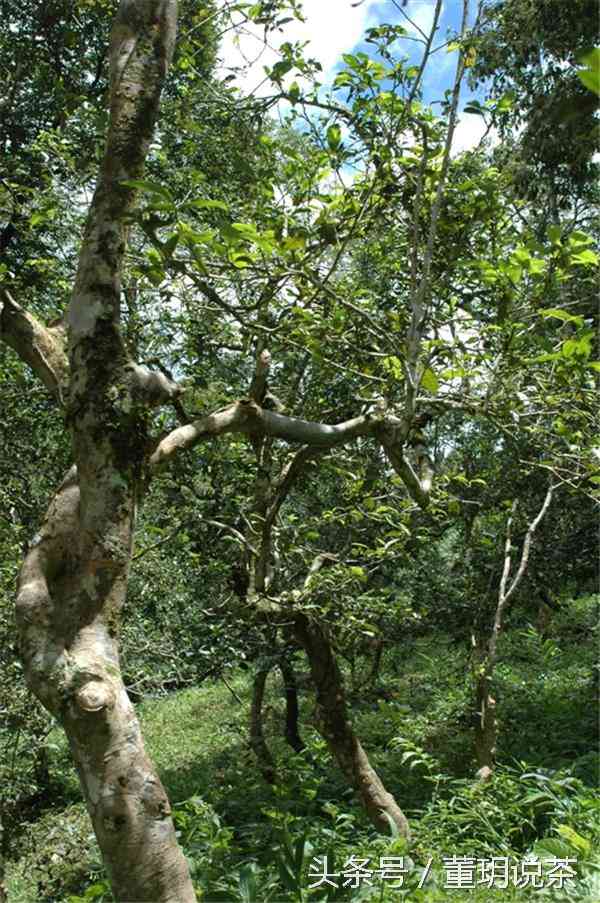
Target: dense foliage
[{"x": 332, "y": 232}]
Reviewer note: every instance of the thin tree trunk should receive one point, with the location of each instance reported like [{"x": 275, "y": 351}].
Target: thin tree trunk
[
  {"x": 334, "y": 724},
  {"x": 258, "y": 743},
  {"x": 376, "y": 663},
  {"x": 546, "y": 607},
  {"x": 292, "y": 734},
  {"x": 486, "y": 727},
  {"x": 485, "y": 724},
  {"x": 486, "y": 655},
  {"x": 332, "y": 714}
]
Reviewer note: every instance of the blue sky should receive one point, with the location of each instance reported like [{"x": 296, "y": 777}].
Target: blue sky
[
  {"x": 418, "y": 20},
  {"x": 334, "y": 27}
]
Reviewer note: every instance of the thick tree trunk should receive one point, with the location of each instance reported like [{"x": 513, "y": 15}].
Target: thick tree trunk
[
  {"x": 258, "y": 743},
  {"x": 334, "y": 724},
  {"x": 73, "y": 582},
  {"x": 68, "y": 607}
]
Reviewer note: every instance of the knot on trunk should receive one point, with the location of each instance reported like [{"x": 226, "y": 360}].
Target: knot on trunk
[{"x": 94, "y": 696}]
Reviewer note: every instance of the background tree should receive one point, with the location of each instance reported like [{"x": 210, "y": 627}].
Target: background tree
[
  {"x": 430, "y": 336},
  {"x": 530, "y": 54}
]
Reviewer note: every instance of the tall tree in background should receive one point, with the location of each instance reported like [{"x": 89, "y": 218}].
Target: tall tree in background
[{"x": 530, "y": 53}]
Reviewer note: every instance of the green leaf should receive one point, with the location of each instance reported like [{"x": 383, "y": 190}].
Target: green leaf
[
  {"x": 559, "y": 314},
  {"x": 280, "y": 69},
  {"x": 522, "y": 255},
  {"x": 394, "y": 831},
  {"x": 570, "y": 348},
  {"x": 554, "y": 233},
  {"x": 255, "y": 11},
  {"x": 514, "y": 272},
  {"x": 192, "y": 236},
  {"x": 430, "y": 382},
  {"x": 577, "y": 237},
  {"x": 351, "y": 60},
  {"x": 537, "y": 266},
  {"x": 474, "y": 107},
  {"x": 543, "y": 358},
  {"x": 207, "y": 204},
  {"x": 294, "y": 243},
  {"x": 288, "y": 879},
  {"x": 581, "y": 844},
  {"x": 359, "y": 572},
  {"x": 240, "y": 259},
  {"x": 506, "y": 102},
  {"x": 236, "y": 232},
  {"x": 580, "y": 347},
  {"x": 585, "y": 258},
  {"x": 248, "y": 884},
  {"x": 149, "y": 187},
  {"x": 393, "y": 366},
  {"x": 342, "y": 79},
  {"x": 170, "y": 245},
  {"x": 334, "y": 137},
  {"x": 156, "y": 277},
  {"x": 590, "y": 76}
]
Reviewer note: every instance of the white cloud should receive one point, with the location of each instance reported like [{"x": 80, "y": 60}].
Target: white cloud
[
  {"x": 421, "y": 13},
  {"x": 332, "y": 27},
  {"x": 469, "y": 133}
]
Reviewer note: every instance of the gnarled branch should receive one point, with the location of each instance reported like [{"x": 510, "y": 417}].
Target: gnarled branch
[
  {"x": 41, "y": 347},
  {"x": 247, "y": 417}
]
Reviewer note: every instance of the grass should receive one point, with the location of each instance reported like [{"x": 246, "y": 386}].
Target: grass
[{"x": 416, "y": 726}]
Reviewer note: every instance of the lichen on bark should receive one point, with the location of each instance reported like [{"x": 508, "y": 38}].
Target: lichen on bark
[{"x": 73, "y": 582}]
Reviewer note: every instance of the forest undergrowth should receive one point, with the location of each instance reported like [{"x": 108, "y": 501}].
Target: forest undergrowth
[{"x": 247, "y": 841}]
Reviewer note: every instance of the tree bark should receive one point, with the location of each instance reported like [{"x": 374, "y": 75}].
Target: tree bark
[
  {"x": 292, "y": 734},
  {"x": 486, "y": 727},
  {"x": 258, "y": 743},
  {"x": 485, "y": 723},
  {"x": 270, "y": 494},
  {"x": 485, "y": 655},
  {"x": 68, "y": 605},
  {"x": 73, "y": 581},
  {"x": 42, "y": 348},
  {"x": 334, "y": 724}
]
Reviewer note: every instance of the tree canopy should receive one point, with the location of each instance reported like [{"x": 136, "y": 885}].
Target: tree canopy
[{"x": 293, "y": 380}]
